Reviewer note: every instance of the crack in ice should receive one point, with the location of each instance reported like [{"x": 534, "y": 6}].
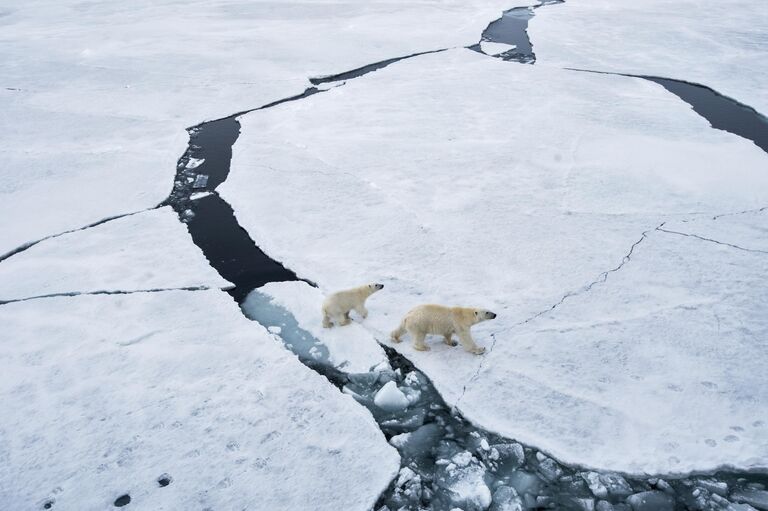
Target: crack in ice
[
  {"x": 30, "y": 244},
  {"x": 108, "y": 292},
  {"x": 731, "y": 245},
  {"x": 585, "y": 289}
]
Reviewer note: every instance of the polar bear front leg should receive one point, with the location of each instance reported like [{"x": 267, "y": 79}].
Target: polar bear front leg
[
  {"x": 360, "y": 309},
  {"x": 469, "y": 344},
  {"x": 447, "y": 340},
  {"x": 418, "y": 341},
  {"x": 327, "y": 320},
  {"x": 344, "y": 319}
]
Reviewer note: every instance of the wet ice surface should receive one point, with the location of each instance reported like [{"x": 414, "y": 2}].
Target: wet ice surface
[
  {"x": 620, "y": 157},
  {"x": 447, "y": 463}
]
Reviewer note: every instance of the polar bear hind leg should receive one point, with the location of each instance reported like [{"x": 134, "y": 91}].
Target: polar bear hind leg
[{"x": 418, "y": 341}]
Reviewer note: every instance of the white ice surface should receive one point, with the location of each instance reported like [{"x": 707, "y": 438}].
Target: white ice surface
[
  {"x": 350, "y": 348},
  {"x": 490, "y": 48},
  {"x": 95, "y": 96},
  {"x": 390, "y": 399},
  {"x": 461, "y": 179},
  {"x": 148, "y": 250},
  {"x": 747, "y": 230},
  {"x": 101, "y": 395},
  {"x": 719, "y": 44}
]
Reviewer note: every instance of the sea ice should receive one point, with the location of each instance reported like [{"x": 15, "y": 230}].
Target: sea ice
[
  {"x": 350, "y": 348},
  {"x": 544, "y": 202},
  {"x": 104, "y": 396},
  {"x": 391, "y": 399},
  {"x": 148, "y": 250},
  {"x": 718, "y": 44},
  {"x": 96, "y": 95}
]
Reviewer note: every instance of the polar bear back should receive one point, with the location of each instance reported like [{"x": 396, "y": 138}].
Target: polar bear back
[{"x": 438, "y": 319}]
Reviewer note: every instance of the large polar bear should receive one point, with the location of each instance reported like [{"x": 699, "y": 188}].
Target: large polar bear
[
  {"x": 445, "y": 321},
  {"x": 338, "y": 305}
]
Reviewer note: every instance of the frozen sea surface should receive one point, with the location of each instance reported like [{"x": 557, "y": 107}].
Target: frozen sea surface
[
  {"x": 105, "y": 396},
  {"x": 719, "y": 44},
  {"x": 148, "y": 250},
  {"x": 544, "y": 191},
  {"x": 96, "y": 95}
]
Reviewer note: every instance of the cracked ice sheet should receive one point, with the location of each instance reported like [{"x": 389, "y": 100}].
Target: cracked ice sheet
[
  {"x": 460, "y": 179},
  {"x": 659, "y": 370},
  {"x": 748, "y": 230},
  {"x": 96, "y": 95},
  {"x": 102, "y": 395},
  {"x": 718, "y": 44},
  {"x": 149, "y": 250},
  {"x": 350, "y": 348}
]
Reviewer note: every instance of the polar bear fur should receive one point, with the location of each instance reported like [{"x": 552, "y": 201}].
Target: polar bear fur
[
  {"x": 337, "y": 306},
  {"x": 446, "y": 321}
]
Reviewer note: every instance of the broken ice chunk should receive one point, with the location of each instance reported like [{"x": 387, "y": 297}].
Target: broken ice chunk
[
  {"x": 193, "y": 163},
  {"x": 464, "y": 486},
  {"x": 548, "y": 468},
  {"x": 753, "y": 497},
  {"x": 275, "y": 329},
  {"x": 506, "y": 499},
  {"x": 201, "y": 181},
  {"x": 390, "y": 398},
  {"x": 651, "y": 501},
  {"x": 596, "y": 486},
  {"x": 525, "y": 482}
]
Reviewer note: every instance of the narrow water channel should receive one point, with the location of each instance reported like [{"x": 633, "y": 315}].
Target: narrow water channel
[{"x": 447, "y": 462}]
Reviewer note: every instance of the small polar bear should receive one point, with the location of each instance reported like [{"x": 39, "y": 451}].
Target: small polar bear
[
  {"x": 445, "y": 321},
  {"x": 338, "y": 305}
]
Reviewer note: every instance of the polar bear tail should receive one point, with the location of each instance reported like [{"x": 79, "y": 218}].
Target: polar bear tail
[{"x": 398, "y": 332}]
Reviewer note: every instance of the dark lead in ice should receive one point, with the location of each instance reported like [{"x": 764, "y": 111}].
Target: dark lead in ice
[
  {"x": 442, "y": 453},
  {"x": 512, "y": 29},
  {"x": 722, "y": 112}
]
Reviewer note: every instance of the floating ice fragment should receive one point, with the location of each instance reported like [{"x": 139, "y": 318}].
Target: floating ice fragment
[
  {"x": 506, "y": 499},
  {"x": 193, "y": 163},
  {"x": 753, "y": 497},
  {"x": 651, "y": 501},
  {"x": 275, "y": 329},
  {"x": 201, "y": 181},
  {"x": 596, "y": 486},
  {"x": 390, "y": 398}
]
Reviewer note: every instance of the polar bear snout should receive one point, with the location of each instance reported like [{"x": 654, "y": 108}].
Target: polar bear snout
[
  {"x": 377, "y": 287},
  {"x": 484, "y": 315}
]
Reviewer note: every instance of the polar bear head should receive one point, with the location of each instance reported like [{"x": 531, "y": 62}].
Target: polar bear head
[
  {"x": 375, "y": 287},
  {"x": 483, "y": 315}
]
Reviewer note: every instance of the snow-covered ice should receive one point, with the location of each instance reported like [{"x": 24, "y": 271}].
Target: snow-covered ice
[
  {"x": 540, "y": 191},
  {"x": 95, "y": 96},
  {"x": 390, "y": 399},
  {"x": 350, "y": 348},
  {"x": 103, "y": 395},
  {"x": 718, "y": 44},
  {"x": 148, "y": 250}
]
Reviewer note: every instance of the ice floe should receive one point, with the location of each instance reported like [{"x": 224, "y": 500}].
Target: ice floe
[
  {"x": 718, "y": 44},
  {"x": 148, "y": 250},
  {"x": 541, "y": 192},
  {"x": 176, "y": 401}
]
